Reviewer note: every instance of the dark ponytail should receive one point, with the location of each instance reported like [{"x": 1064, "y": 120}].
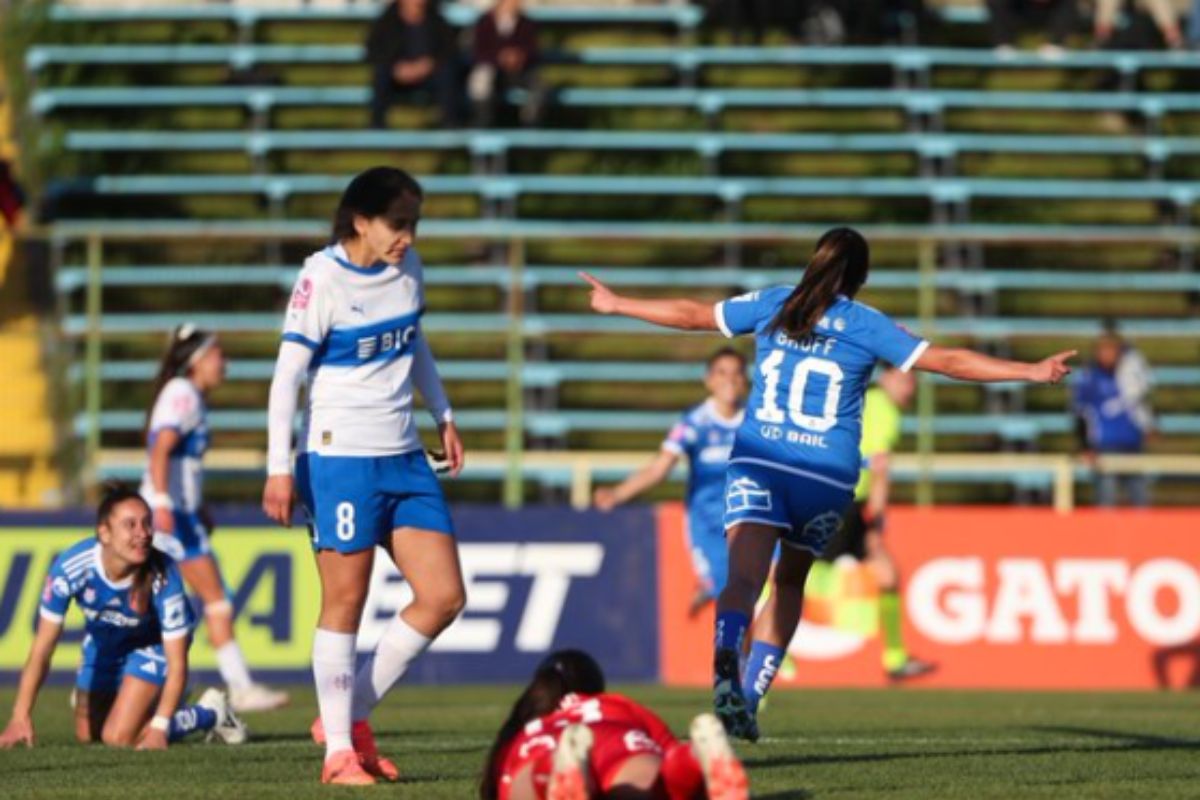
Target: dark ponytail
[
  {"x": 186, "y": 341},
  {"x": 113, "y": 494},
  {"x": 561, "y": 673},
  {"x": 378, "y": 192},
  {"x": 839, "y": 265}
]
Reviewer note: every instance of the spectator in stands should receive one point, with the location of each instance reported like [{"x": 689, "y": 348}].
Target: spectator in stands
[
  {"x": 1057, "y": 17},
  {"x": 505, "y": 49},
  {"x": 869, "y": 22},
  {"x": 1139, "y": 32},
  {"x": 412, "y": 51},
  {"x": 1112, "y": 409}
]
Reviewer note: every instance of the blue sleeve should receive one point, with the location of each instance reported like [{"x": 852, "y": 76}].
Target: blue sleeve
[
  {"x": 56, "y": 595},
  {"x": 887, "y": 340},
  {"x": 170, "y": 602},
  {"x": 742, "y": 314}
]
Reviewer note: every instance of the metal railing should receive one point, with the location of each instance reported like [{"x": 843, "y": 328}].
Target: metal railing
[{"x": 513, "y": 235}]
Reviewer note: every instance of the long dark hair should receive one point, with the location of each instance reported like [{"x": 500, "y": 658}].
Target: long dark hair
[
  {"x": 186, "y": 341},
  {"x": 561, "y": 673},
  {"x": 378, "y": 192},
  {"x": 113, "y": 494},
  {"x": 839, "y": 265}
]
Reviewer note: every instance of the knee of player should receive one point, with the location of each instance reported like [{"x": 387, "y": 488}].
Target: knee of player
[
  {"x": 218, "y": 610},
  {"x": 113, "y": 736}
]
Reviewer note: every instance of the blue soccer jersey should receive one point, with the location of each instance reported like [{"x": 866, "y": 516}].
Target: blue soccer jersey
[
  {"x": 804, "y": 415},
  {"x": 114, "y": 628},
  {"x": 705, "y": 439}
]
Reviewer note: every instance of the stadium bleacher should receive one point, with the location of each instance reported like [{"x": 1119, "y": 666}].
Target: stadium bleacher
[{"x": 710, "y": 163}]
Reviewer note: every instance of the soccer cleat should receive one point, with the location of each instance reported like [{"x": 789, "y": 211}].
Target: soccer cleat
[
  {"x": 229, "y": 729},
  {"x": 344, "y": 769},
  {"x": 911, "y": 668},
  {"x": 728, "y": 702},
  {"x": 368, "y": 755},
  {"x": 257, "y": 697},
  {"x": 724, "y": 776},
  {"x": 569, "y": 774}
]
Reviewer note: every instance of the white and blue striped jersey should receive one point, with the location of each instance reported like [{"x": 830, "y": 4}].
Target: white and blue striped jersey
[
  {"x": 114, "y": 626},
  {"x": 180, "y": 407},
  {"x": 362, "y": 325},
  {"x": 804, "y": 415}
]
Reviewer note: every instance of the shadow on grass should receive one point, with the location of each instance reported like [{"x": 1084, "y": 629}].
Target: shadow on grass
[
  {"x": 789, "y": 794},
  {"x": 1115, "y": 742}
]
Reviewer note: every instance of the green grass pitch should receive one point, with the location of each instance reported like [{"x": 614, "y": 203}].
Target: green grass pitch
[{"x": 817, "y": 744}]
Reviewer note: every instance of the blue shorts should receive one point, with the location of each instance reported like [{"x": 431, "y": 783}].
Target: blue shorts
[
  {"x": 104, "y": 672},
  {"x": 354, "y": 503},
  {"x": 188, "y": 541},
  {"x": 809, "y": 510},
  {"x": 710, "y": 555}
]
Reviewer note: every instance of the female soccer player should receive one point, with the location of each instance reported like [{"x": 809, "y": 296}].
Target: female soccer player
[
  {"x": 704, "y": 436},
  {"x": 796, "y": 456},
  {"x": 567, "y": 739},
  {"x": 177, "y": 437},
  {"x": 353, "y": 326},
  {"x": 135, "y": 653}
]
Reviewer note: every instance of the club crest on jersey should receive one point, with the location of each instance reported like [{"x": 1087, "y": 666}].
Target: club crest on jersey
[
  {"x": 746, "y": 495},
  {"x": 302, "y": 295}
]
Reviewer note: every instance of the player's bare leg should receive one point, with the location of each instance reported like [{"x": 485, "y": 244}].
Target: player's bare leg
[
  {"x": 638, "y": 777},
  {"x": 91, "y": 709},
  {"x": 204, "y": 577},
  {"x": 130, "y": 712},
  {"x": 345, "y": 580},
  {"x": 751, "y": 548}
]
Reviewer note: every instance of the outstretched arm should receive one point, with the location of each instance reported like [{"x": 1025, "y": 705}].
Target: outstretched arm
[
  {"x": 686, "y": 315},
  {"x": 967, "y": 365},
  {"x": 20, "y": 724},
  {"x": 645, "y": 478}
]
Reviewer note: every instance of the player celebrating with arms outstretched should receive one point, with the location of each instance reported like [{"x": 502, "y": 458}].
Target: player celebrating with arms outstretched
[
  {"x": 353, "y": 326},
  {"x": 135, "y": 653},
  {"x": 796, "y": 458}
]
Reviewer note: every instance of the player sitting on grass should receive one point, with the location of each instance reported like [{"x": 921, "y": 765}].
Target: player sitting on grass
[
  {"x": 567, "y": 739},
  {"x": 135, "y": 655}
]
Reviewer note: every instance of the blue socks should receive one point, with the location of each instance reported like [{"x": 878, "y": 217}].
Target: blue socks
[
  {"x": 762, "y": 665},
  {"x": 731, "y": 630},
  {"x": 189, "y": 720}
]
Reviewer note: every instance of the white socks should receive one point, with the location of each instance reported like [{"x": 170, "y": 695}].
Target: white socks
[
  {"x": 233, "y": 667},
  {"x": 333, "y": 674},
  {"x": 397, "y": 648}
]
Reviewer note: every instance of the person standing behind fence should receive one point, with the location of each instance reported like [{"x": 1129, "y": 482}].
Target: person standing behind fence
[
  {"x": 505, "y": 50},
  {"x": 412, "y": 51},
  {"x": 1112, "y": 407}
]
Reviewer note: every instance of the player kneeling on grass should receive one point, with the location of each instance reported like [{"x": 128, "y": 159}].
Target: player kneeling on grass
[
  {"x": 567, "y": 739},
  {"x": 135, "y": 654}
]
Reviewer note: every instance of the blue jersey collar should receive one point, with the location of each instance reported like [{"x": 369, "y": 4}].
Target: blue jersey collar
[{"x": 338, "y": 254}]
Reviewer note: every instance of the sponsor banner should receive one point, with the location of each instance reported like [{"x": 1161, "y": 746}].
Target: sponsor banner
[
  {"x": 537, "y": 580},
  {"x": 1000, "y": 598}
]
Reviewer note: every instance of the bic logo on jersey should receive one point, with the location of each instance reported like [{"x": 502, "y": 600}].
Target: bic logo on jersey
[{"x": 380, "y": 344}]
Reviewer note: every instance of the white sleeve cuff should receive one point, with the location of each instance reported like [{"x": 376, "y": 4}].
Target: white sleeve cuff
[
  {"x": 914, "y": 356},
  {"x": 168, "y": 636},
  {"x": 672, "y": 447},
  {"x": 719, "y": 314},
  {"x": 49, "y": 615}
]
